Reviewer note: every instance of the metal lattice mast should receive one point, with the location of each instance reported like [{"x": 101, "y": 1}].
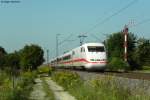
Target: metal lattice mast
[{"x": 81, "y": 37}]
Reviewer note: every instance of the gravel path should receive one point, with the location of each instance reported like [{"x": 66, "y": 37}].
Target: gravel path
[
  {"x": 38, "y": 92},
  {"x": 59, "y": 92}
]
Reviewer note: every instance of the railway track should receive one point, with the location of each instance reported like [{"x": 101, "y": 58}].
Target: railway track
[{"x": 130, "y": 75}]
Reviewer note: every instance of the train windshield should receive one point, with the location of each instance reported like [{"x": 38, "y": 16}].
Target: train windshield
[{"x": 96, "y": 48}]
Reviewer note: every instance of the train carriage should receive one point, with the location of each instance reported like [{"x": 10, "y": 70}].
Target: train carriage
[{"x": 91, "y": 56}]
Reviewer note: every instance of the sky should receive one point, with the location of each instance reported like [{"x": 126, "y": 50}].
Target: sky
[{"x": 38, "y": 22}]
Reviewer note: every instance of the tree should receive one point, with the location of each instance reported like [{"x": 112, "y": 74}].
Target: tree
[
  {"x": 115, "y": 46},
  {"x": 31, "y": 56},
  {"x": 2, "y": 56},
  {"x": 142, "y": 53},
  {"x": 13, "y": 60}
]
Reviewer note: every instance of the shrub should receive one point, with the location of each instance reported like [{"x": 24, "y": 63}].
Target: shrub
[
  {"x": 108, "y": 89},
  {"x": 5, "y": 93},
  {"x": 5, "y": 86},
  {"x": 117, "y": 64},
  {"x": 67, "y": 79},
  {"x": 2, "y": 77},
  {"x": 27, "y": 78},
  {"x": 45, "y": 69},
  {"x": 24, "y": 86},
  {"x": 100, "y": 88}
]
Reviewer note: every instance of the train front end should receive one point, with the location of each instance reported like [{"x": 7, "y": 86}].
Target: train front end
[{"x": 96, "y": 56}]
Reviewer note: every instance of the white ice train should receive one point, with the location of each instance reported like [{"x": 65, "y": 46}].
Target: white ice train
[{"x": 90, "y": 56}]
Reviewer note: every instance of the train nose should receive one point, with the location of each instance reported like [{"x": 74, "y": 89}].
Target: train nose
[{"x": 96, "y": 66}]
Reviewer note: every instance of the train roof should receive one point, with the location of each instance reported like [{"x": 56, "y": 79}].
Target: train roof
[
  {"x": 93, "y": 44},
  {"x": 85, "y": 44}
]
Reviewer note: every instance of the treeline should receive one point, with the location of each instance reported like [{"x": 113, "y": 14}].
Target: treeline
[
  {"x": 27, "y": 58},
  {"x": 17, "y": 72},
  {"x": 138, "y": 51}
]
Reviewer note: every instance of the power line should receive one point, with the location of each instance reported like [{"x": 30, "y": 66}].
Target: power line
[
  {"x": 95, "y": 37},
  {"x": 142, "y": 22},
  {"x": 102, "y": 22},
  {"x": 66, "y": 39},
  {"x": 105, "y": 13},
  {"x": 82, "y": 36},
  {"x": 114, "y": 14}
]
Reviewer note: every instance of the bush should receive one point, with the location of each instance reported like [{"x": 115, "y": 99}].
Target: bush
[
  {"x": 5, "y": 86},
  {"x": 27, "y": 78},
  {"x": 67, "y": 79},
  {"x": 117, "y": 64},
  {"x": 2, "y": 77},
  {"x": 45, "y": 69},
  {"x": 100, "y": 88},
  {"x": 114, "y": 92},
  {"x": 24, "y": 86}
]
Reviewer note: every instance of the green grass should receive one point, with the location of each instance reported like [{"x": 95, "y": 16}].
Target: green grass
[
  {"x": 5, "y": 86},
  {"x": 23, "y": 86},
  {"x": 104, "y": 88},
  {"x": 5, "y": 93},
  {"x": 145, "y": 69},
  {"x": 97, "y": 89},
  {"x": 48, "y": 91},
  {"x": 45, "y": 70}
]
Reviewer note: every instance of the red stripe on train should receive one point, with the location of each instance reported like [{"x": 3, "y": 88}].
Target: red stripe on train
[{"x": 82, "y": 60}]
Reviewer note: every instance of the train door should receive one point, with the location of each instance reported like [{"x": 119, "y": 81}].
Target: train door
[
  {"x": 83, "y": 57},
  {"x": 72, "y": 59}
]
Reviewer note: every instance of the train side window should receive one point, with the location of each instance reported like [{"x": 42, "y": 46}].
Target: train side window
[
  {"x": 67, "y": 57},
  {"x": 82, "y": 49},
  {"x": 73, "y": 53}
]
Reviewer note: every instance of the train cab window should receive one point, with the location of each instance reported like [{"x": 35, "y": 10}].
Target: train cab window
[{"x": 96, "y": 48}]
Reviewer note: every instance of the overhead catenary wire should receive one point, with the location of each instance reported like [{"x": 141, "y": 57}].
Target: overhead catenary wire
[
  {"x": 103, "y": 21},
  {"x": 109, "y": 17},
  {"x": 142, "y": 22},
  {"x": 66, "y": 39},
  {"x": 95, "y": 37}
]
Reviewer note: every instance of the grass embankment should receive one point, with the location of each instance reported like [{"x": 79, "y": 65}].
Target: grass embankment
[
  {"x": 96, "y": 89},
  {"x": 146, "y": 69},
  {"x": 45, "y": 70},
  {"x": 20, "y": 90}
]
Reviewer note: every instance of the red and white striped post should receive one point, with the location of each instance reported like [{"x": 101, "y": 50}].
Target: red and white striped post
[{"x": 125, "y": 31}]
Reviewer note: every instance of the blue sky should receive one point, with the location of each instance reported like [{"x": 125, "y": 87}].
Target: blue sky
[{"x": 38, "y": 21}]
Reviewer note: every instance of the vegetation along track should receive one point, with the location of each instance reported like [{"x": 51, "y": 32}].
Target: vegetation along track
[{"x": 131, "y": 75}]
